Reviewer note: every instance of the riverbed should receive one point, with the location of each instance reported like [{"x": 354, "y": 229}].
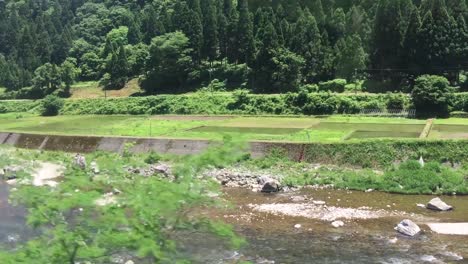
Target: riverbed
[
  {"x": 274, "y": 237},
  {"x": 278, "y": 237}
]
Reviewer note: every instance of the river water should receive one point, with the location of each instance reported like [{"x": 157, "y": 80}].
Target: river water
[{"x": 274, "y": 237}]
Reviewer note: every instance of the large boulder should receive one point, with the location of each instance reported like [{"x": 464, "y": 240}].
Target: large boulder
[
  {"x": 268, "y": 184},
  {"x": 437, "y": 204},
  {"x": 408, "y": 228}
]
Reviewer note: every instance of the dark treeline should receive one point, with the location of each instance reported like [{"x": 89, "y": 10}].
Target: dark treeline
[{"x": 277, "y": 46}]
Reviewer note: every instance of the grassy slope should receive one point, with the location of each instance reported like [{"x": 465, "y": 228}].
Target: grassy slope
[{"x": 83, "y": 90}]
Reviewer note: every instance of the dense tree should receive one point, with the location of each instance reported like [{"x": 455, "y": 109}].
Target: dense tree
[
  {"x": 245, "y": 37},
  {"x": 169, "y": 62},
  {"x": 117, "y": 69},
  {"x": 351, "y": 58},
  {"x": 47, "y": 79},
  {"x": 210, "y": 30}
]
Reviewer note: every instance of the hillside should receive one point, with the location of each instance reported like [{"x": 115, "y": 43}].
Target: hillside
[{"x": 276, "y": 46}]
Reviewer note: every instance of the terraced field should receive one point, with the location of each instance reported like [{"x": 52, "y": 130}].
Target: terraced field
[{"x": 305, "y": 129}]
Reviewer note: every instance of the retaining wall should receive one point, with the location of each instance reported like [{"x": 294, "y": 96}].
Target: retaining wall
[
  {"x": 85, "y": 144},
  {"x": 370, "y": 153}
]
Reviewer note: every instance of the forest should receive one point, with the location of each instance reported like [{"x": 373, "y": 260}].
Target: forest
[{"x": 267, "y": 47}]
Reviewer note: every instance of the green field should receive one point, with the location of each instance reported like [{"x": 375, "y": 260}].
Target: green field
[{"x": 307, "y": 129}]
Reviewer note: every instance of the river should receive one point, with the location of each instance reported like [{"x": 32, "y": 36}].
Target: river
[{"x": 274, "y": 237}]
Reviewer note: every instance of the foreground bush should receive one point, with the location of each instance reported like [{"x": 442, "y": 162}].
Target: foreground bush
[{"x": 140, "y": 219}]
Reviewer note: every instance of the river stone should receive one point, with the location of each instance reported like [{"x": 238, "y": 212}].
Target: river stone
[
  {"x": 408, "y": 227},
  {"x": 437, "y": 204},
  {"x": 337, "y": 224},
  {"x": 271, "y": 186},
  {"x": 79, "y": 161},
  {"x": 162, "y": 168},
  {"x": 94, "y": 167}
]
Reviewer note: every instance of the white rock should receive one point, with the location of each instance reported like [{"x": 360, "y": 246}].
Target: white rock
[
  {"x": 438, "y": 205},
  {"x": 94, "y": 167},
  {"x": 428, "y": 258},
  {"x": 337, "y": 224},
  {"x": 44, "y": 175},
  {"x": 421, "y": 161},
  {"x": 297, "y": 226},
  {"x": 130, "y": 262},
  {"x": 369, "y": 190},
  {"x": 421, "y": 205},
  {"x": 408, "y": 227},
  {"x": 318, "y": 202},
  {"x": 393, "y": 240},
  {"x": 460, "y": 229}
]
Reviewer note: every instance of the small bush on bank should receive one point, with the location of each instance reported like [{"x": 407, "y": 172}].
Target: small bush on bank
[
  {"x": 410, "y": 177},
  {"x": 152, "y": 158},
  {"x": 51, "y": 105},
  {"x": 337, "y": 86}
]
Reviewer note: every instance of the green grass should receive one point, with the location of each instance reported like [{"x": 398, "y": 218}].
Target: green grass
[
  {"x": 332, "y": 129},
  {"x": 91, "y": 89},
  {"x": 408, "y": 178}
]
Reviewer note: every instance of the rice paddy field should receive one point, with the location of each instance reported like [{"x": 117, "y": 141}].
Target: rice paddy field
[{"x": 303, "y": 129}]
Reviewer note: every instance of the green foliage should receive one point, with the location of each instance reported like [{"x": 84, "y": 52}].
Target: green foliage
[
  {"x": 432, "y": 96},
  {"x": 275, "y": 157},
  {"x": 169, "y": 62},
  {"x": 409, "y": 178},
  {"x": 337, "y": 86},
  {"x": 140, "y": 220},
  {"x": 152, "y": 158},
  {"x": 239, "y": 102},
  {"x": 383, "y": 153},
  {"x": 397, "y": 101},
  {"x": 51, "y": 105},
  {"x": 284, "y": 46}
]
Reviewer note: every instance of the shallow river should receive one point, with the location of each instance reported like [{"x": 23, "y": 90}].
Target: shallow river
[{"x": 273, "y": 237}]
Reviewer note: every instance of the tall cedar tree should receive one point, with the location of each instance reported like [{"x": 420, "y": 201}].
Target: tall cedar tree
[
  {"x": 245, "y": 37},
  {"x": 210, "y": 30}
]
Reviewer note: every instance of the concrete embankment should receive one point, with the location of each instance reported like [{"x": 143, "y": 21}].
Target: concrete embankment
[
  {"x": 84, "y": 144},
  {"x": 367, "y": 153}
]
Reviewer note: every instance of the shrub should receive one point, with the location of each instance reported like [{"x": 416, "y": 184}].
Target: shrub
[
  {"x": 373, "y": 105},
  {"x": 337, "y": 86},
  {"x": 432, "y": 96},
  {"x": 459, "y": 114},
  {"x": 411, "y": 177},
  {"x": 3, "y": 109},
  {"x": 152, "y": 158},
  {"x": 311, "y": 88},
  {"x": 51, "y": 105},
  {"x": 395, "y": 101},
  {"x": 348, "y": 106}
]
